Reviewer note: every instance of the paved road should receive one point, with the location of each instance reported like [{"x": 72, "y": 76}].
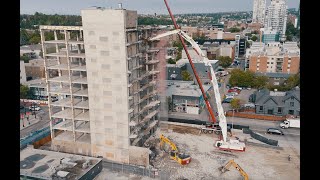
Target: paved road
[{"x": 44, "y": 113}]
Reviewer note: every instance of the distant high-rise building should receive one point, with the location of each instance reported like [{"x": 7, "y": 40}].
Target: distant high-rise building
[
  {"x": 298, "y": 23},
  {"x": 259, "y": 7},
  {"x": 276, "y": 16}
]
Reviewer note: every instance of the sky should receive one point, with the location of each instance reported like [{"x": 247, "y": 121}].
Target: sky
[{"x": 142, "y": 6}]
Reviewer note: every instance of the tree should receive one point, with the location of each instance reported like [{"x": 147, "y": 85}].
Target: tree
[
  {"x": 241, "y": 78},
  {"x": 293, "y": 81},
  {"x": 235, "y": 103},
  {"x": 25, "y": 58},
  {"x": 171, "y": 61},
  {"x": 186, "y": 76},
  {"x": 234, "y": 29},
  {"x": 179, "y": 55},
  {"x": 24, "y": 91},
  {"x": 254, "y": 38},
  {"x": 260, "y": 82},
  {"x": 225, "y": 61}
]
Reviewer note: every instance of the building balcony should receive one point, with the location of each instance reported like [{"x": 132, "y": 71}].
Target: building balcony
[
  {"x": 64, "y": 125},
  {"x": 149, "y": 116},
  {"x": 63, "y": 42},
  {"x": 153, "y": 93},
  {"x": 79, "y": 80},
  {"x": 83, "y": 116},
  {"x": 152, "y": 62},
  {"x": 133, "y": 56},
  {"x": 150, "y": 126},
  {"x": 149, "y": 106},
  {"x": 64, "y": 54},
  {"x": 59, "y": 79},
  {"x": 66, "y": 114},
  {"x": 79, "y": 92},
  {"x": 82, "y": 126},
  {"x": 132, "y": 43}
]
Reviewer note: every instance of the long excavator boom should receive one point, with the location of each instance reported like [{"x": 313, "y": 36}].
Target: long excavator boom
[{"x": 234, "y": 164}]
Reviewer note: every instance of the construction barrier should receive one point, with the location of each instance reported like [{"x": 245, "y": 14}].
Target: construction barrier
[
  {"x": 255, "y": 116},
  {"x": 199, "y": 122},
  {"x": 259, "y": 137}
]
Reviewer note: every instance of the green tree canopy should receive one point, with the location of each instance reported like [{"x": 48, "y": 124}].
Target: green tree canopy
[
  {"x": 171, "y": 61},
  {"x": 260, "y": 82},
  {"x": 235, "y": 103},
  {"x": 247, "y": 79},
  {"x": 186, "y": 76},
  {"x": 24, "y": 92},
  {"x": 225, "y": 61},
  {"x": 254, "y": 38},
  {"x": 234, "y": 29}
]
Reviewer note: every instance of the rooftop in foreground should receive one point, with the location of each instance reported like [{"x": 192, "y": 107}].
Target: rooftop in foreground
[{"x": 44, "y": 164}]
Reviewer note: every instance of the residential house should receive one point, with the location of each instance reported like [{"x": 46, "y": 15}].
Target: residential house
[{"x": 277, "y": 103}]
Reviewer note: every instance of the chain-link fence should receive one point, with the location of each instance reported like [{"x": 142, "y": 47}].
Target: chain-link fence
[{"x": 138, "y": 170}]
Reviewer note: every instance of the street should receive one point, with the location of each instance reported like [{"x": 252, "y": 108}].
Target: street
[{"x": 42, "y": 117}]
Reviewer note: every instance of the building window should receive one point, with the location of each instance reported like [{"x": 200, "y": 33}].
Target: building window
[
  {"x": 291, "y": 104},
  {"x": 268, "y": 62},
  {"x": 292, "y": 97},
  {"x": 279, "y": 110},
  {"x": 291, "y": 112},
  {"x": 261, "y": 108},
  {"x": 271, "y": 62}
]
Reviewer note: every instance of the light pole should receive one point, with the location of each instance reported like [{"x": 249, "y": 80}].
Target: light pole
[{"x": 232, "y": 118}]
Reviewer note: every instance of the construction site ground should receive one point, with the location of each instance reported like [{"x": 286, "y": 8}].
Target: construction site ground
[{"x": 258, "y": 162}]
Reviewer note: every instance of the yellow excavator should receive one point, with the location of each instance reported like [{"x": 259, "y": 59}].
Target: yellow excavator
[
  {"x": 181, "y": 158},
  {"x": 234, "y": 164}
]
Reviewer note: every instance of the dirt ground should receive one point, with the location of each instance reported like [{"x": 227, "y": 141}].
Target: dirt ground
[{"x": 258, "y": 162}]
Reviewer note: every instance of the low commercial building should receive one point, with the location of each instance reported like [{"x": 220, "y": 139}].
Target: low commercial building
[
  {"x": 42, "y": 164},
  {"x": 186, "y": 96},
  {"x": 174, "y": 70},
  {"x": 277, "y": 103}
]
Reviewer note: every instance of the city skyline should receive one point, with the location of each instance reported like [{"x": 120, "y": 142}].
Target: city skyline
[{"x": 73, "y": 7}]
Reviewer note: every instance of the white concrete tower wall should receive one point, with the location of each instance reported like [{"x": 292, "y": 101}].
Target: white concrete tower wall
[
  {"x": 105, "y": 44},
  {"x": 259, "y": 7}
]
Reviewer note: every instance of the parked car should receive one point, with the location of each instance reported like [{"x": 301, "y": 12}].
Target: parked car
[
  {"x": 234, "y": 93},
  {"x": 227, "y": 100},
  {"x": 274, "y": 131},
  {"x": 249, "y": 105},
  {"x": 234, "y": 90},
  {"x": 36, "y": 108},
  {"x": 231, "y": 95}
]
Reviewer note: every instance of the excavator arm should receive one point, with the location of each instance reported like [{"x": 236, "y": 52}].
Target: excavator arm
[
  {"x": 164, "y": 139},
  {"x": 234, "y": 164}
]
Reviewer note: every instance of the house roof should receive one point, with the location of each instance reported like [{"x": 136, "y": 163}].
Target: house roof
[
  {"x": 264, "y": 95},
  {"x": 274, "y": 75}
]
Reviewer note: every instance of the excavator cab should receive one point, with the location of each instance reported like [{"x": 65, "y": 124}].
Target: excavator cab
[{"x": 182, "y": 158}]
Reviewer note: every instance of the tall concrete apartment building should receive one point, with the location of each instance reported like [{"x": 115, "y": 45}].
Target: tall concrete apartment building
[
  {"x": 276, "y": 17},
  {"x": 107, "y": 95},
  {"x": 259, "y": 9},
  {"x": 274, "y": 57}
]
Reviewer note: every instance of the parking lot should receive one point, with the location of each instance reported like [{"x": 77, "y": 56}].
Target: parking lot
[{"x": 243, "y": 96}]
